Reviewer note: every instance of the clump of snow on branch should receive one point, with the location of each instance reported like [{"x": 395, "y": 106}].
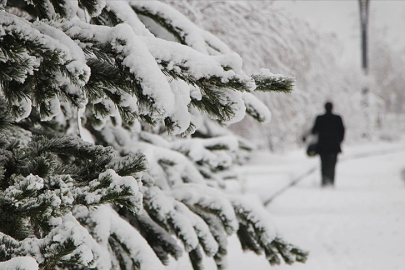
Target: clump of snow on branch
[{"x": 23, "y": 263}]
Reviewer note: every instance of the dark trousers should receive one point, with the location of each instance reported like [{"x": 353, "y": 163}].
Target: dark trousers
[{"x": 328, "y": 164}]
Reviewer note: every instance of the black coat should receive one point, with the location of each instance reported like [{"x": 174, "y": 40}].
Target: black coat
[{"x": 330, "y": 130}]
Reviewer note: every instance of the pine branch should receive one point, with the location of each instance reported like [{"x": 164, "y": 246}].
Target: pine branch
[
  {"x": 91, "y": 6},
  {"x": 106, "y": 17},
  {"x": 5, "y": 118},
  {"x": 218, "y": 232},
  {"x": 159, "y": 239},
  {"x": 288, "y": 252},
  {"x": 247, "y": 239},
  {"x": 105, "y": 74},
  {"x": 196, "y": 259},
  {"x": 181, "y": 70},
  {"x": 174, "y": 22},
  {"x": 253, "y": 112},
  {"x": 110, "y": 188},
  {"x": 22, "y": 5},
  {"x": 135, "y": 262},
  {"x": 35, "y": 66},
  {"x": 118, "y": 252},
  {"x": 266, "y": 81},
  {"x": 129, "y": 165},
  {"x": 9, "y": 247},
  {"x": 208, "y": 200},
  {"x": 88, "y": 160},
  {"x": 255, "y": 235},
  {"x": 160, "y": 19},
  {"x": 213, "y": 102}
]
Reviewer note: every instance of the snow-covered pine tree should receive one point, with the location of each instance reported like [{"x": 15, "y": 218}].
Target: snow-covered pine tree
[{"x": 98, "y": 165}]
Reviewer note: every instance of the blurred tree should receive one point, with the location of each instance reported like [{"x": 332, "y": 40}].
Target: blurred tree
[
  {"x": 265, "y": 35},
  {"x": 387, "y": 82}
]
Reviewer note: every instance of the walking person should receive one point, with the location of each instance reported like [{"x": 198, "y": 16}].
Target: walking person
[{"x": 330, "y": 130}]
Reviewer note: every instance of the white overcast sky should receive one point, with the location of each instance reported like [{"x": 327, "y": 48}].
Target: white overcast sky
[{"x": 342, "y": 18}]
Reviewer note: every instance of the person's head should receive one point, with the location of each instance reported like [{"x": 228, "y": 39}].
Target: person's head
[{"x": 328, "y": 107}]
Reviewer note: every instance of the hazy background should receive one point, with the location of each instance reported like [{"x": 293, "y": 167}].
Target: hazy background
[
  {"x": 342, "y": 18},
  {"x": 317, "y": 43}
]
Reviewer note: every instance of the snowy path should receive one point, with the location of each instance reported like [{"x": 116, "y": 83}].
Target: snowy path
[{"x": 360, "y": 224}]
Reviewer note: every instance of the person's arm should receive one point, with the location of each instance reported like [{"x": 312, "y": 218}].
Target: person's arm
[
  {"x": 315, "y": 129},
  {"x": 341, "y": 129}
]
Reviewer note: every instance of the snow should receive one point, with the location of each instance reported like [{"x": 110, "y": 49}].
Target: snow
[
  {"x": 24, "y": 108},
  {"x": 206, "y": 197},
  {"x": 53, "y": 42},
  {"x": 135, "y": 243},
  {"x": 117, "y": 184},
  {"x": 257, "y": 108},
  {"x": 136, "y": 56},
  {"x": 64, "y": 41},
  {"x": 140, "y": 62},
  {"x": 68, "y": 230},
  {"x": 173, "y": 214},
  {"x": 71, "y": 229},
  {"x": 257, "y": 215},
  {"x": 334, "y": 224},
  {"x": 181, "y": 170},
  {"x": 358, "y": 224},
  {"x": 129, "y": 102},
  {"x": 108, "y": 223},
  {"x": 197, "y": 149},
  {"x": 125, "y": 13},
  {"x": 195, "y": 93},
  {"x": 197, "y": 64},
  {"x": 235, "y": 101},
  {"x": 12, "y": 23},
  {"x": 29, "y": 183},
  {"x": 201, "y": 229},
  {"x": 312, "y": 57},
  {"x": 53, "y": 107},
  {"x": 119, "y": 181},
  {"x": 85, "y": 135},
  {"x": 22, "y": 263},
  {"x": 264, "y": 72},
  {"x": 98, "y": 7},
  {"x": 193, "y": 36},
  {"x": 182, "y": 118},
  {"x": 71, "y": 8}
]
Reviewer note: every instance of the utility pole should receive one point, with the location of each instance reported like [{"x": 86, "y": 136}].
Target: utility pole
[{"x": 364, "y": 13}]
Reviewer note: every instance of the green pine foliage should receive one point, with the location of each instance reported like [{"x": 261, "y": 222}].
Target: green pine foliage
[
  {"x": 113, "y": 151},
  {"x": 44, "y": 180}
]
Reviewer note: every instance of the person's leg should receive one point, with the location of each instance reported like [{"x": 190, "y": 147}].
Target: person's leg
[
  {"x": 324, "y": 166},
  {"x": 333, "y": 161},
  {"x": 329, "y": 163}
]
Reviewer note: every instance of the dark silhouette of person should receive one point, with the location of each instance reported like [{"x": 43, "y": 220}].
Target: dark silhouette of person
[{"x": 331, "y": 131}]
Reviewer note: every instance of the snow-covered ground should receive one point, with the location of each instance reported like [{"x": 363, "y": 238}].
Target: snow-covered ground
[{"x": 358, "y": 224}]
